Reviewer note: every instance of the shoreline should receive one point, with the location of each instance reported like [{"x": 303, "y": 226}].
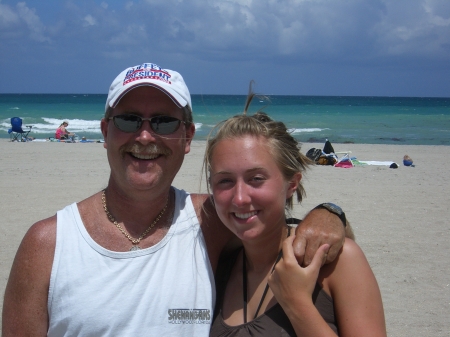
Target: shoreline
[
  {"x": 399, "y": 216},
  {"x": 313, "y": 141}
]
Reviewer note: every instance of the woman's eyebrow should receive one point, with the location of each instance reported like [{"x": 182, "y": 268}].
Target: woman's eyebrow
[{"x": 253, "y": 169}]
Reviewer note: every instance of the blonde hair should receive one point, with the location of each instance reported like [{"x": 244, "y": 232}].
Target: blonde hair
[{"x": 284, "y": 148}]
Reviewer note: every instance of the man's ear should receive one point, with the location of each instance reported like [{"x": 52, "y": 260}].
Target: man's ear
[
  {"x": 104, "y": 128},
  {"x": 293, "y": 184},
  {"x": 190, "y": 132}
]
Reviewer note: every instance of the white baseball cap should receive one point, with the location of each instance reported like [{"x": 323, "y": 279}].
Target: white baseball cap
[{"x": 149, "y": 74}]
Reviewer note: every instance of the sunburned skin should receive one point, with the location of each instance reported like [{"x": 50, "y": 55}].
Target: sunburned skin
[{"x": 243, "y": 188}]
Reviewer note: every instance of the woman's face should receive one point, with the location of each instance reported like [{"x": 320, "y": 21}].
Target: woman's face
[{"x": 249, "y": 189}]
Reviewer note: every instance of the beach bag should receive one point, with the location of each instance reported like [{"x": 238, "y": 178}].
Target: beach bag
[
  {"x": 314, "y": 154},
  {"x": 321, "y": 158},
  {"x": 326, "y": 160}
]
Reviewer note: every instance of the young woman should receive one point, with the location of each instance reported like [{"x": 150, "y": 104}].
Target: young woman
[
  {"x": 62, "y": 132},
  {"x": 254, "y": 167}
]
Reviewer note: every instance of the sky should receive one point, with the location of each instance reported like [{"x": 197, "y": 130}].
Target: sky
[{"x": 288, "y": 47}]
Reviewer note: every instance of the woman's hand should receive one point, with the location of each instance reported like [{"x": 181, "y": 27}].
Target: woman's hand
[{"x": 292, "y": 284}]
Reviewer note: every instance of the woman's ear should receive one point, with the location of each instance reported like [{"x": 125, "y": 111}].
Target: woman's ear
[{"x": 293, "y": 184}]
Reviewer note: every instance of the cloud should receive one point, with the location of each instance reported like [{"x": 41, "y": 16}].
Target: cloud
[
  {"x": 34, "y": 24},
  {"x": 296, "y": 30},
  {"x": 89, "y": 20},
  {"x": 130, "y": 34},
  {"x": 8, "y": 17},
  {"x": 292, "y": 34},
  {"x": 249, "y": 29},
  {"x": 418, "y": 30}
]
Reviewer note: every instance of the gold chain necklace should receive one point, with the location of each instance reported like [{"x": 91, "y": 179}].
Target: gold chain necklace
[{"x": 134, "y": 241}]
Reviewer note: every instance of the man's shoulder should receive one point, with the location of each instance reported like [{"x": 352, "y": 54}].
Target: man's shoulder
[
  {"x": 204, "y": 207},
  {"x": 42, "y": 232},
  {"x": 214, "y": 231}
]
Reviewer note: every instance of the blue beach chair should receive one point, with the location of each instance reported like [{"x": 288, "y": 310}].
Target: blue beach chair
[{"x": 16, "y": 133}]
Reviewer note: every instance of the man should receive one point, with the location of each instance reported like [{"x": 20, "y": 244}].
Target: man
[{"x": 137, "y": 258}]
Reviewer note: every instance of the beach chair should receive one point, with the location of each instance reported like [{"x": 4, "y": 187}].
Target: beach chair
[
  {"x": 345, "y": 160},
  {"x": 16, "y": 133}
]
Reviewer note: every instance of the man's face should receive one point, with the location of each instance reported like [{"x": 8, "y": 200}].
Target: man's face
[{"x": 145, "y": 160}]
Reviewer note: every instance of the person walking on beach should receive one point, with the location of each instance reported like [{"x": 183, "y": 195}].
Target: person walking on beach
[
  {"x": 62, "y": 132},
  {"x": 254, "y": 168},
  {"x": 138, "y": 257}
]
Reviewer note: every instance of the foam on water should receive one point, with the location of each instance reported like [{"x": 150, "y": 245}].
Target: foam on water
[
  {"x": 75, "y": 125},
  {"x": 49, "y": 126},
  {"x": 364, "y": 120},
  {"x": 297, "y": 131}
]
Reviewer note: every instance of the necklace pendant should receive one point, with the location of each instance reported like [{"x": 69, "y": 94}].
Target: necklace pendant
[{"x": 135, "y": 248}]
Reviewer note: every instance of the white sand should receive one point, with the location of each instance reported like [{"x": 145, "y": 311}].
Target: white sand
[{"x": 400, "y": 216}]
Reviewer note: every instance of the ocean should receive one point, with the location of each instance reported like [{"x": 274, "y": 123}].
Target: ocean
[{"x": 340, "y": 119}]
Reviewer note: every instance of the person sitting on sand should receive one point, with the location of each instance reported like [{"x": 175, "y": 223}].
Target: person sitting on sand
[
  {"x": 254, "y": 167},
  {"x": 62, "y": 132}
]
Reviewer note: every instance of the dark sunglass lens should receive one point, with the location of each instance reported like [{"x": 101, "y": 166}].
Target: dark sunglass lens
[
  {"x": 127, "y": 123},
  {"x": 164, "y": 125}
]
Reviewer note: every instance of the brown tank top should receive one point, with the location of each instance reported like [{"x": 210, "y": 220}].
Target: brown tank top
[{"x": 274, "y": 321}]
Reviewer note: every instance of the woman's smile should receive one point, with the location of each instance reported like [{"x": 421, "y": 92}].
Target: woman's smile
[{"x": 250, "y": 191}]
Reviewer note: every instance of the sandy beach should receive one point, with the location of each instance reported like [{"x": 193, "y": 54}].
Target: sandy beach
[{"x": 400, "y": 216}]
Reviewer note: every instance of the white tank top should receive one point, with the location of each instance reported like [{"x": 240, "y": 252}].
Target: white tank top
[{"x": 164, "y": 290}]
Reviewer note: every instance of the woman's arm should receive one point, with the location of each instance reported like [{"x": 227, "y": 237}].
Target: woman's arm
[
  {"x": 350, "y": 282},
  {"x": 355, "y": 293}
]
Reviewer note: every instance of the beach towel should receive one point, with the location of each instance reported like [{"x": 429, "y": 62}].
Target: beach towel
[
  {"x": 356, "y": 162},
  {"x": 344, "y": 164},
  {"x": 391, "y": 164},
  {"x": 374, "y": 162}
]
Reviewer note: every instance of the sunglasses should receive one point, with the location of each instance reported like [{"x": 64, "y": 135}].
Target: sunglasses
[{"x": 161, "y": 125}]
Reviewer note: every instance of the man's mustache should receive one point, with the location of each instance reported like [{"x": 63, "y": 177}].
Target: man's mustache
[{"x": 151, "y": 149}]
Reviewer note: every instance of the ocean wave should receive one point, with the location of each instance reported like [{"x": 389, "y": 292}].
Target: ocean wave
[
  {"x": 295, "y": 130},
  {"x": 365, "y": 120},
  {"x": 50, "y": 125},
  {"x": 75, "y": 125}
]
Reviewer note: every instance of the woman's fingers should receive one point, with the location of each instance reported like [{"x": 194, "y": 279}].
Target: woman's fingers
[{"x": 320, "y": 257}]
